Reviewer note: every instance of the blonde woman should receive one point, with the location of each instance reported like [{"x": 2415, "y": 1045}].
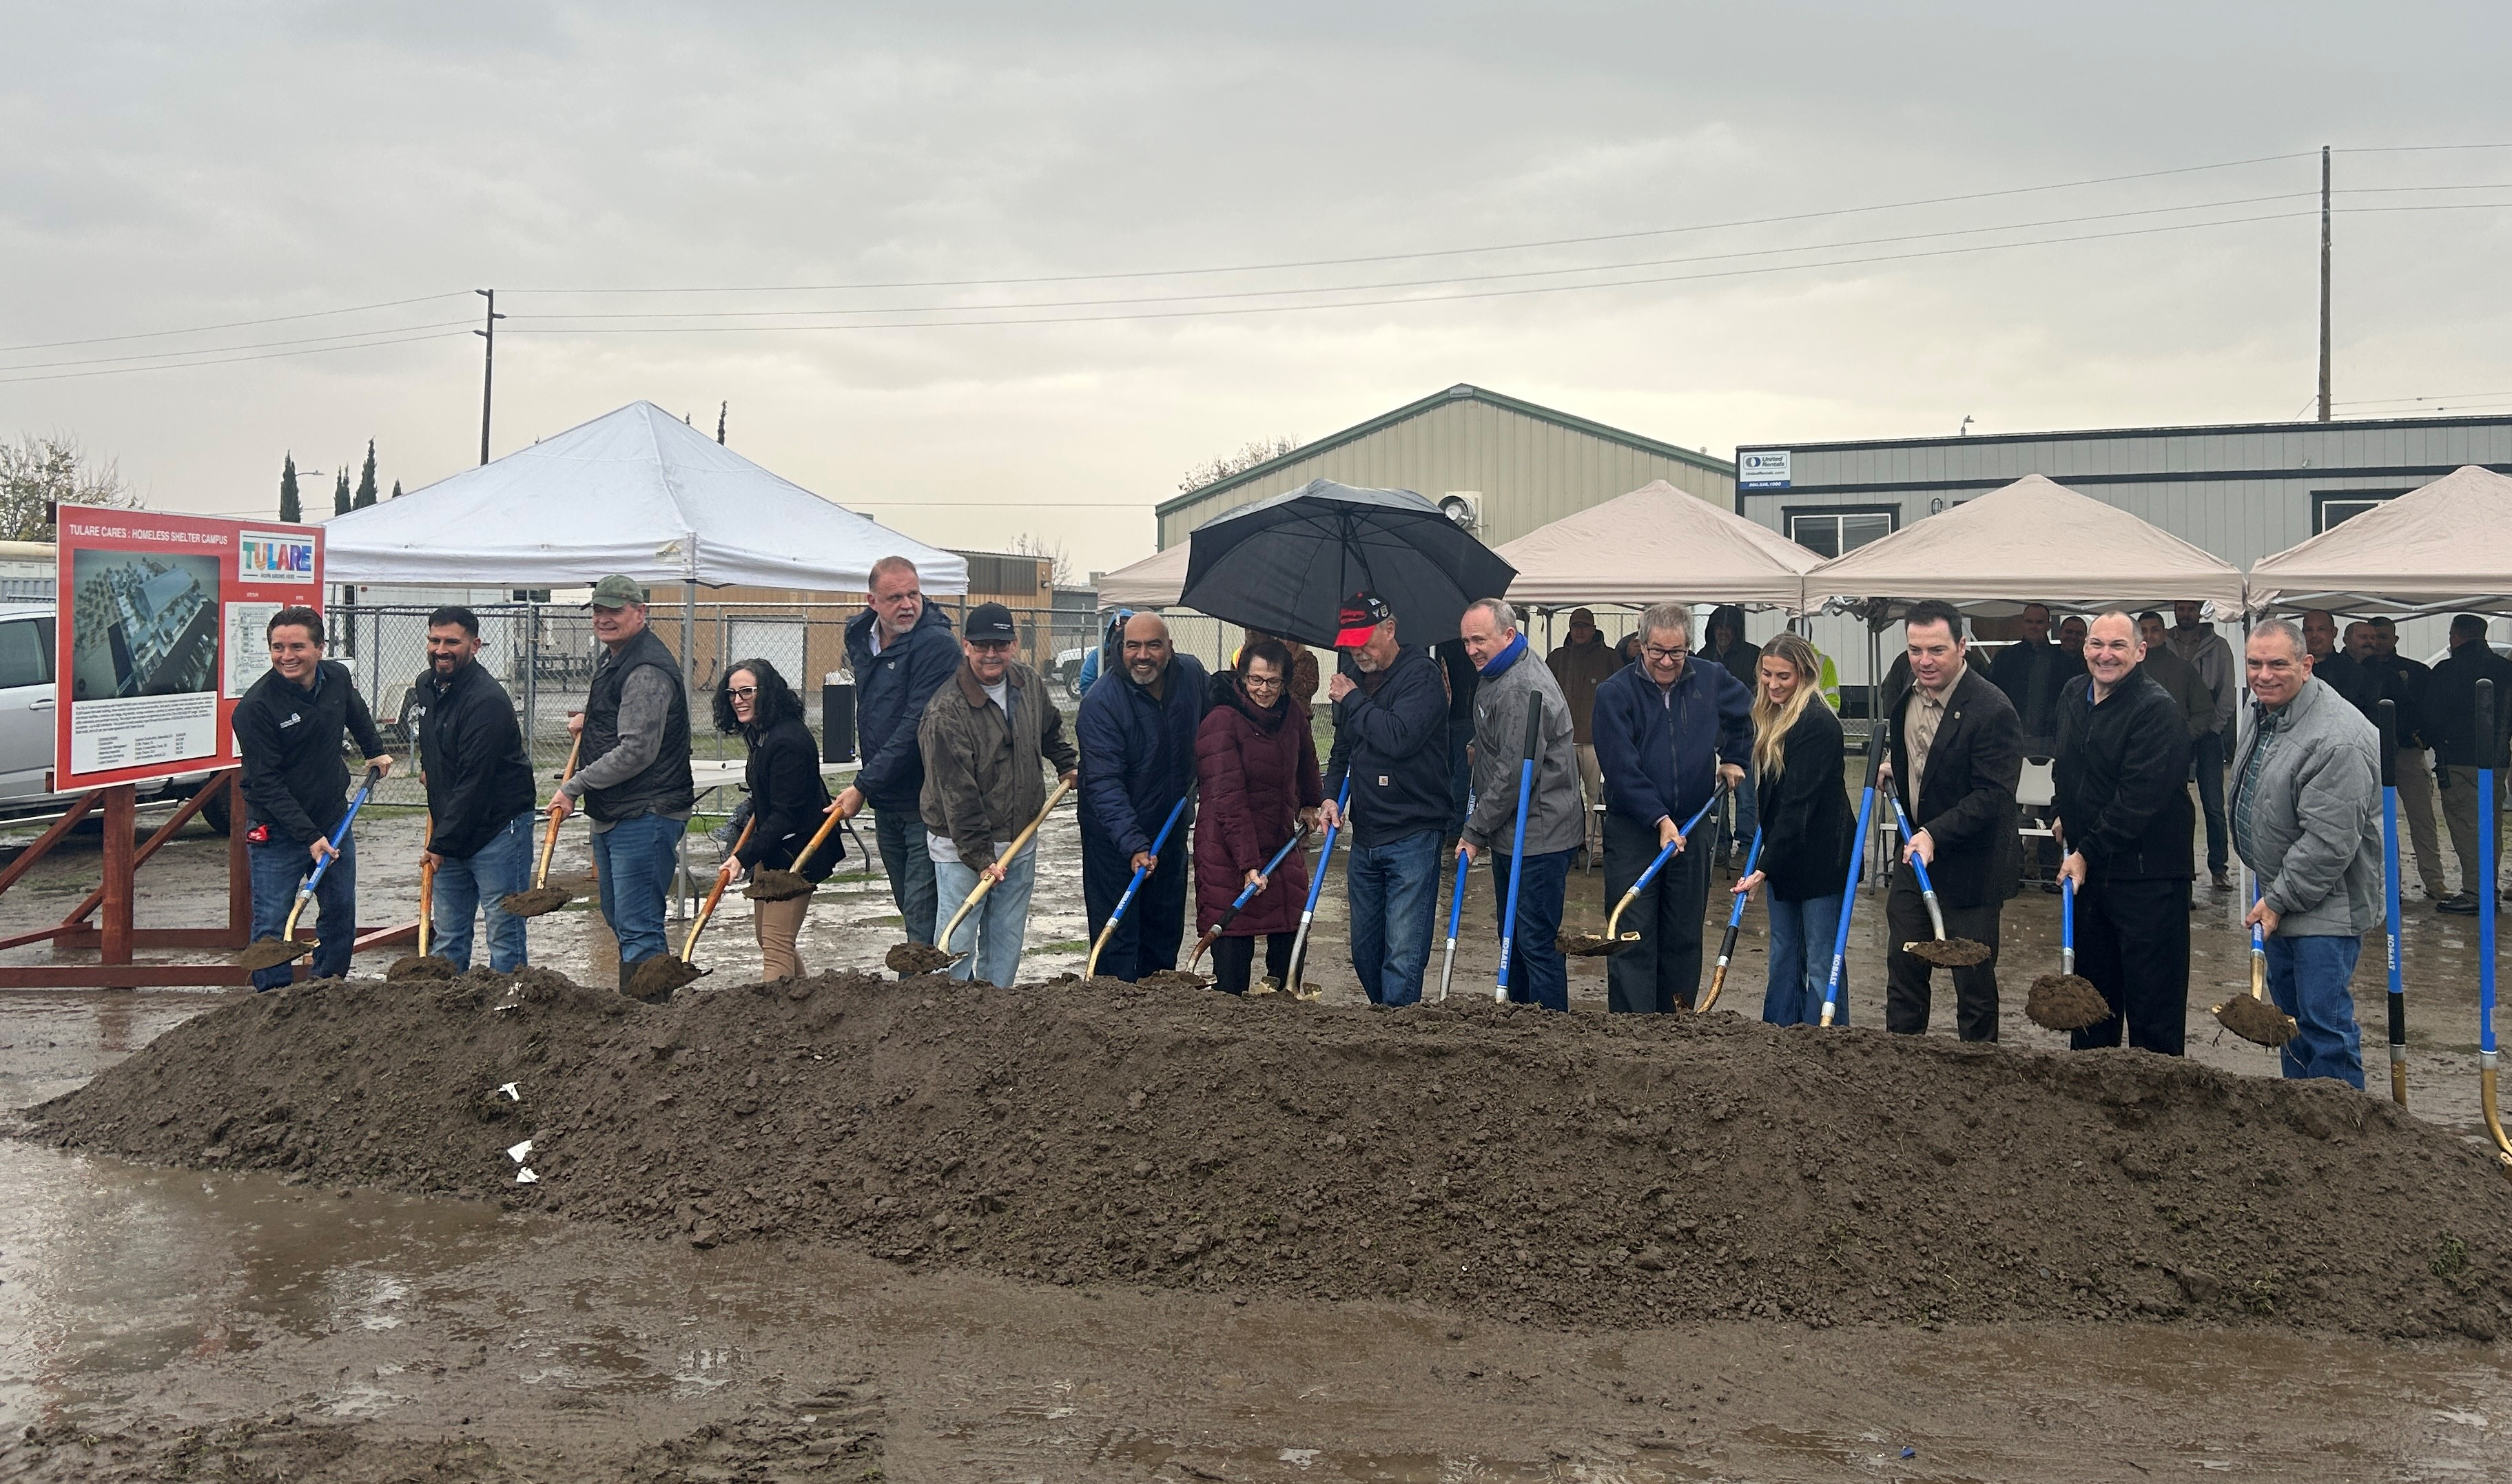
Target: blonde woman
[{"x": 1806, "y": 829}]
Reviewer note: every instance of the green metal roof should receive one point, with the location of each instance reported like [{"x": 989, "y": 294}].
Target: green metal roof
[{"x": 1461, "y": 392}]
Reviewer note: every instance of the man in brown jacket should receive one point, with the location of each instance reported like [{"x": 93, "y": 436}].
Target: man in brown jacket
[
  {"x": 1578, "y": 666},
  {"x": 982, "y": 737}
]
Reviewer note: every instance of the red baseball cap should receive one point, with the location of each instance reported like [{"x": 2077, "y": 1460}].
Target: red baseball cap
[{"x": 1358, "y": 619}]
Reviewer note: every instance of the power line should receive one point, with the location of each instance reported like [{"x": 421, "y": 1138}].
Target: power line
[
  {"x": 277, "y": 319},
  {"x": 211, "y": 350},
  {"x": 1509, "y": 247},
  {"x": 124, "y": 370}
]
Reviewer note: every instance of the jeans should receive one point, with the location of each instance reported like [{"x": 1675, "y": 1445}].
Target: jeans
[
  {"x": 995, "y": 927},
  {"x": 1663, "y": 970},
  {"x": 2208, "y": 761},
  {"x": 1461, "y": 778},
  {"x": 1395, "y": 892},
  {"x": 1801, "y": 938},
  {"x": 900, "y": 835},
  {"x": 1147, "y": 938},
  {"x": 635, "y": 858},
  {"x": 474, "y": 885},
  {"x": 278, "y": 870},
  {"x": 1538, "y": 974},
  {"x": 2308, "y": 978}
]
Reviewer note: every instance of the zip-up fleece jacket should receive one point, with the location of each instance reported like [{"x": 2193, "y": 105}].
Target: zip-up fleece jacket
[
  {"x": 1138, "y": 755},
  {"x": 1555, "y": 821},
  {"x": 2315, "y": 816},
  {"x": 290, "y": 739},
  {"x": 982, "y": 782},
  {"x": 2122, "y": 779},
  {"x": 1660, "y": 749},
  {"x": 891, "y": 691},
  {"x": 1391, "y": 739},
  {"x": 472, "y": 752}
]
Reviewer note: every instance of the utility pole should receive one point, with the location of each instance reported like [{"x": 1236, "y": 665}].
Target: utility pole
[
  {"x": 2324, "y": 283},
  {"x": 489, "y": 365}
]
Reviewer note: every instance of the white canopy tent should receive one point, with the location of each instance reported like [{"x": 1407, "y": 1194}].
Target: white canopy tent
[
  {"x": 1152, "y": 583},
  {"x": 2445, "y": 548},
  {"x": 2031, "y": 541},
  {"x": 1657, "y": 544},
  {"x": 635, "y": 491}
]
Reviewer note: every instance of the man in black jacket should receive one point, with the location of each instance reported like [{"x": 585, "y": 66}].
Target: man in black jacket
[
  {"x": 1957, "y": 756},
  {"x": 1391, "y": 742},
  {"x": 479, "y": 793},
  {"x": 2450, "y": 725},
  {"x": 2126, "y": 821},
  {"x": 2028, "y": 671},
  {"x": 634, "y": 775},
  {"x": 287, "y": 731},
  {"x": 901, "y": 651},
  {"x": 2403, "y": 684}
]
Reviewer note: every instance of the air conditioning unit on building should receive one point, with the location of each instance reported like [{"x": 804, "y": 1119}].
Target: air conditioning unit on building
[{"x": 1464, "y": 507}]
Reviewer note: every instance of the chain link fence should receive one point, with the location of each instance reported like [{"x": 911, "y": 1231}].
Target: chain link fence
[{"x": 545, "y": 654}]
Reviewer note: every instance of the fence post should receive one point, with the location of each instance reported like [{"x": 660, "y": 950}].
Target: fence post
[{"x": 531, "y": 648}]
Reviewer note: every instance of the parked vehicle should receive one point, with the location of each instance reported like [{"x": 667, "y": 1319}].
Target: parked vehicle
[{"x": 27, "y": 708}]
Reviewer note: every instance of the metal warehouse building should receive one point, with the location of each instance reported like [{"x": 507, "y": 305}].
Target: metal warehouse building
[
  {"x": 1515, "y": 464},
  {"x": 2240, "y": 490}
]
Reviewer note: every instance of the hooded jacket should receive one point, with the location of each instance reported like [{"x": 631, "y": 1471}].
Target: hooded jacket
[
  {"x": 891, "y": 690},
  {"x": 1740, "y": 658},
  {"x": 1554, "y": 818},
  {"x": 1579, "y": 669},
  {"x": 1138, "y": 754},
  {"x": 2311, "y": 824},
  {"x": 1255, "y": 771},
  {"x": 1660, "y": 749},
  {"x": 1391, "y": 739}
]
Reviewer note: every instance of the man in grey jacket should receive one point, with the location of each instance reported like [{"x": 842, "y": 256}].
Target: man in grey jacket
[
  {"x": 2306, "y": 819},
  {"x": 1512, "y": 679}
]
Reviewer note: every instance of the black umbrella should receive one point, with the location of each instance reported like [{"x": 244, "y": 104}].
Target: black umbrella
[{"x": 1286, "y": 565}]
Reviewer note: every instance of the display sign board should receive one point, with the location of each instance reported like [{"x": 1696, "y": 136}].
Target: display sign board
[
  {"x": 161, "y": 629},
  {"x": 1763, "y": 469}
]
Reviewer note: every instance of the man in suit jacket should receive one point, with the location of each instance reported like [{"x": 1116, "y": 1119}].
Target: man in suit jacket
[{"x": 1957, "y": 754}]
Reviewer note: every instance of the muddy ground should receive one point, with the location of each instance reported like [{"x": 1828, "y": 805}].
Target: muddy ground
[{"x": 247, "y": 1324}]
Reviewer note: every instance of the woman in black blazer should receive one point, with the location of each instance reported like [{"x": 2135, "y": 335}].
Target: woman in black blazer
[
  {"x": 787, "y": 800},
  {"x": 1806, "y": 830}
]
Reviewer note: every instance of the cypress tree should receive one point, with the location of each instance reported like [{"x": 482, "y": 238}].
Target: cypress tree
[
  {"x": 340, "y": 494},
  {"x": 291, "y": 509},
  {"x": 720, "y": 414},
  {"x": 396, "y": 495},
  {"x": 367, "y": 479}
]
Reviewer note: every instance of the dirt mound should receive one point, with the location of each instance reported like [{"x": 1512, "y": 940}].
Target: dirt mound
[{"x": 1535, "y": 1167}]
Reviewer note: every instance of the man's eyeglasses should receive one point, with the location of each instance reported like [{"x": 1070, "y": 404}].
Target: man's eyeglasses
[
  {"x": 1666, "y": 657},
  {"x": 990, "y": 645}
]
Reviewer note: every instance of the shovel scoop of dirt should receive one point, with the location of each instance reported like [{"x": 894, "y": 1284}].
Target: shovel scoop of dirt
[
  {"x": 1948, "y": 953},
  {"x": 271, "y": 953},
  {"x": 909, "y": 959},
  {"x": 1171, "y": 979},
  {"x": 2065, "y": 1002},
  {"x": 538, "y": 902},
  {"x": 777, "y": 887},
  {"x": 660, "y": 977},
  {"x": 2255, "y": 1020},
  {"x": 1593, "y": 945},
  {"x": 421, "y": 966}
]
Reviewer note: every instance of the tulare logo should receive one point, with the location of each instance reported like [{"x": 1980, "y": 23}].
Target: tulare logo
[{"x": 268, "y": 557}]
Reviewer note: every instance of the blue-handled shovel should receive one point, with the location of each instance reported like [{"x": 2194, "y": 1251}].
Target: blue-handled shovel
[
  {"x": 1455, "y": 906},
  {"x": 1517, "y": 847},
  {"x": 1248, "y": 894},
  {"x": 1309, "y": 913},
  {"x": 1090, "y": 970},
  {"x": 1875, "y": 745},
  {"x": 1941, "y": 950},
  {"x": 1735, "y": 919},
  {"x": 1595, "y": 945},
  {"x": 271, "y": 953},
  {"x": 2253, "y": 1017}
]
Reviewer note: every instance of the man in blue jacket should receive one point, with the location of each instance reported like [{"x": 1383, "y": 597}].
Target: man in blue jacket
[
  {"x": 1137, "y": 728},
  {"x": 1391, "y": 705},
  {"x": 1666, "y": 730},
  {"x": 901, "y": 651}
]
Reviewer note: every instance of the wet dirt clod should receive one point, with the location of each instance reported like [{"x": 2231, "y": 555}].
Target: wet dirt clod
[
  {"x": 271, "y": 953},
  {"x": 1948, "y": 953},
  {"x": 662, "y": 976},
  {"x": 1603, "y": 1171},
  {"x": 1173, "y": 979},
  {"x": 1592, "y": 944},
  {"x": 2255, "y": 1020},
  {"x": 912, "y": 958},
  {"x": 538, "y": 902},
  {"x": 778, "y": 886},
  {"x": 421, "y": 966},
  {"x": 2065, "y": 1002}
]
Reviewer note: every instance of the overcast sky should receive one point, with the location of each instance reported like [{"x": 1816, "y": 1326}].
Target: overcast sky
[{"x": 172, "y": 166}]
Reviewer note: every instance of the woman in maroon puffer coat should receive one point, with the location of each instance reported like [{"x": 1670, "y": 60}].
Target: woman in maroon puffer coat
[{"x": 1256, "y": 771}]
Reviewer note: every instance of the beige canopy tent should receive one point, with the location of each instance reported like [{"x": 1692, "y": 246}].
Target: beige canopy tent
[
  {"x": 1152, "y": 583},
  {"x": 2443, "y": 549},
  {"x": 2031, "y": 542},
  {"x": 1657, "y": 544}
]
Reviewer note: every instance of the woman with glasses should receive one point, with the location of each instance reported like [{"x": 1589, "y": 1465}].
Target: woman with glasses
[
  {"x": 1256, "y": 769},
  {"x": 787, "y": 800},
  {"x": 1807, "y": 833}
]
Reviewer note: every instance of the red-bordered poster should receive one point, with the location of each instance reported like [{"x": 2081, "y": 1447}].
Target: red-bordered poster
[{"x": 163, "y": 627}]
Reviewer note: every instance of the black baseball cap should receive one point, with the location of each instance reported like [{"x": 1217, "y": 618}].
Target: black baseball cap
[
  {"x": 1360, "y": 617},
  {"x": 989, "y": 622}
]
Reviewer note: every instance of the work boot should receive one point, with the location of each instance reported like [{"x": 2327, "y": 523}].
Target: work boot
[
  {"x": 2460, "y": 906},
  {"x": 2223, "y": 881},
  {"x": 627, "y": 971}
]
